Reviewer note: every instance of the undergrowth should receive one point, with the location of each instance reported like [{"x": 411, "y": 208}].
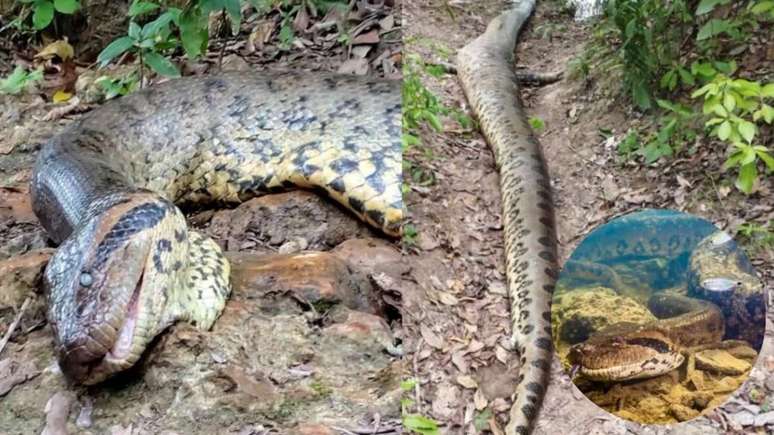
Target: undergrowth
[{"x": 677, "y": 61}]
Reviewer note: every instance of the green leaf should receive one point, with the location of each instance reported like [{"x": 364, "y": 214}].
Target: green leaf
[
  {"x": 729, "y": 102},
  {"x": 706, "y": 6},
  {"x": 669, "y": 80},
  {"x": 767, "y": 158},
  {"x": 762, "y": 7},
  {"x": 420, "y": 424},
  {"x": 712, "y": 28},
  {"x": 709, "y": 89},
  {"x": 234, "y": 13},
  {"x": 140, "y": 7},
  {"x": 686, "y": 76},
  {"x": 725, "y": 67},
  {"x": 747, "y": 175},
  {"x": 44, "y": 13},
  {"x": 433, "y": 121},
  {"x": 134, "y": 31},
  {"x": 704, "y": 69},
  {"x": 747, "y": 129},
  {"x": 766, "y": 112},
  {"x": 155, "y": 27},
  {"x": 768, "y": 91},
  {"x": 19, "y": 80},
  {"x": 536, "y": 123},
  {"x": 193, "y": 32},
  {"x": 67, "y": 6},
  {"x": 114, "y": 49},
  {"x": 641, "y": 96},
  {"x": 161, "y": 64},
  {"x": 724, "y": 131}
]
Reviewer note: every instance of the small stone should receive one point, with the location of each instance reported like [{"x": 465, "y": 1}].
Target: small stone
[
  {"x": 361, "y": 327},
  {"x": 297, "y": 244},
  {"x": 683, "y": 413},
  {"x": 720, "y": 361}
]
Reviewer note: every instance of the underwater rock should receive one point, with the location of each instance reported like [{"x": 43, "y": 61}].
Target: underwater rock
[
  {"x": 720, "y": 361},
  {"x": 579, "y": 313},
  {"x": 683, "y": 413}
]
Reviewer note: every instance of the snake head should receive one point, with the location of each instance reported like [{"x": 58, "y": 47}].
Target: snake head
[{"x": 107, "y": 286}]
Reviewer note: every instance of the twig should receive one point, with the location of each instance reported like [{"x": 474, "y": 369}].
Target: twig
[
  {"x": 14, "y": 324},
  {"x": 222, "y": 26},
  {"x": 524, "y": 77}
]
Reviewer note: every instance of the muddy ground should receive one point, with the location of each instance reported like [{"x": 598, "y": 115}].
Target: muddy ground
[
  {"x": 456, "y": 314},
  {"x": 309, "y": 342}
]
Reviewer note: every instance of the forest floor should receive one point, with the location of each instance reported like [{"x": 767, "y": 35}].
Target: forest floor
[{"x": 457, "y": 321}]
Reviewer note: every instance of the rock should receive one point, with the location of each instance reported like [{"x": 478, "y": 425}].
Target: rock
[
  {"x": 270, "y": 221},
  {"x": 317, "y": 278},
  {"x": 577, "y": 314},
  {"x": 372, "y": 256},
  {"x": 18, "y": 239},
  {"x": 15, "y": 205},
  {"x": 21, "y": 276},
  {"x": 720, "y": 361},
  {"x": 369, "y": 331},
  {"x": 683, "y": 413}
]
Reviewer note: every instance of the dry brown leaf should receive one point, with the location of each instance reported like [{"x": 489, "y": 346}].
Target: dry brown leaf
[
  {"x": 387, "y": 23},
  {"x": 467, "y": 381},
  {"x": 371, "y": 37},
  {"x": 301, "y": 22},
  {"x": 357, "y": 66},
  {"x": 431, "y": 337},
  {"x": 57, "y": 410},
  {"x": 448, "y": 298},
  {"x": 480, "y": 400}
]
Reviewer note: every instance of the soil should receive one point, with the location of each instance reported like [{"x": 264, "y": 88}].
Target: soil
[{"x": 456, "y": 316}]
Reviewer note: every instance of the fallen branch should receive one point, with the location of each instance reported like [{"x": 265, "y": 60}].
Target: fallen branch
[
  {"x": 527, "y": 78},
  {"x": 15, "y": 323}
]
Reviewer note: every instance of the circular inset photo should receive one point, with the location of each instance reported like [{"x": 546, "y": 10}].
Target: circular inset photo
[{"x": 658, "y": 316}]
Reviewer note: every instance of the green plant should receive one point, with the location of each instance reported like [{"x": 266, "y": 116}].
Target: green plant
[
  {"x": 43, "y": 10},
  {"x": 537, "y": 124},
  {"x": 734, "y": 108},
  {"x": 19, "y": 80},
  {"x": 115, "y": 86},
  {"x": 420, "y": 424},
  {"x": 651, "y": 32},
  {"x": 757, "y": 236},
  {"x": 410, "y": 235}
]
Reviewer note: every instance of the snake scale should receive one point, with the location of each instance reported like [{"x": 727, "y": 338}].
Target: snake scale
[
  {"x": 107, "y": 189},
  {"x": 623, "y": 352},
  {"x": 485, "y": 69}
]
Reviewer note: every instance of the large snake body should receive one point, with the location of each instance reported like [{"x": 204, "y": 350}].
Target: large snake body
[
  {"x": 623, "y": 352},
  {"x": 106, "y": 189},
  {"x": 485, "y": 69}
]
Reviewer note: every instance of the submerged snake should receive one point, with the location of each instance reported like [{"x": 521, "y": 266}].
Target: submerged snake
[
  {"x": 627, "y": 351},
  {"x": 106, "y": 188},
  {"x": 486, "y": 71}
]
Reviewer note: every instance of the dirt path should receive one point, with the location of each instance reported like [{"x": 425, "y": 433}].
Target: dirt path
[{"x": 457, "y": 317}]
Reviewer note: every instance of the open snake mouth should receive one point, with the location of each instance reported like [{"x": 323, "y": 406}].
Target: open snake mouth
[{"x": 123, "y": 343}]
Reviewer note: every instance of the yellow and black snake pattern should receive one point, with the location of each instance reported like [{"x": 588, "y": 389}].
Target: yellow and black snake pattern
[
  {"x": 107, "y": 188},
  {"x": 485, "y": 68}
]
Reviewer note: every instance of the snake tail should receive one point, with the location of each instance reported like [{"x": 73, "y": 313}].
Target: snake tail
[{"x": 485, "y": 69}]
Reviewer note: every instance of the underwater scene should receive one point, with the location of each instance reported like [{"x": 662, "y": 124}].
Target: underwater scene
[{"x": 658, "y": 316}]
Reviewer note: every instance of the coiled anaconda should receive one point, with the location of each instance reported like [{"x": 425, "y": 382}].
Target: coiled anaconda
[
  {"x": 485, "y": 69},
  {"x": 106, "y": 189},
  {"x": 623, "y": 352}
]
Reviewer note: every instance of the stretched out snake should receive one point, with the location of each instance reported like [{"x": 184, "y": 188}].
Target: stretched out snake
[
  {"x": 623, "y": 352},
  {"x": 485, "y": 69},
  {"x": 106, "y": 188}
]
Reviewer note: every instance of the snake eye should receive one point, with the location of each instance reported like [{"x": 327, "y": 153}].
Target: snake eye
[{"x": 86, "y": 279}]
